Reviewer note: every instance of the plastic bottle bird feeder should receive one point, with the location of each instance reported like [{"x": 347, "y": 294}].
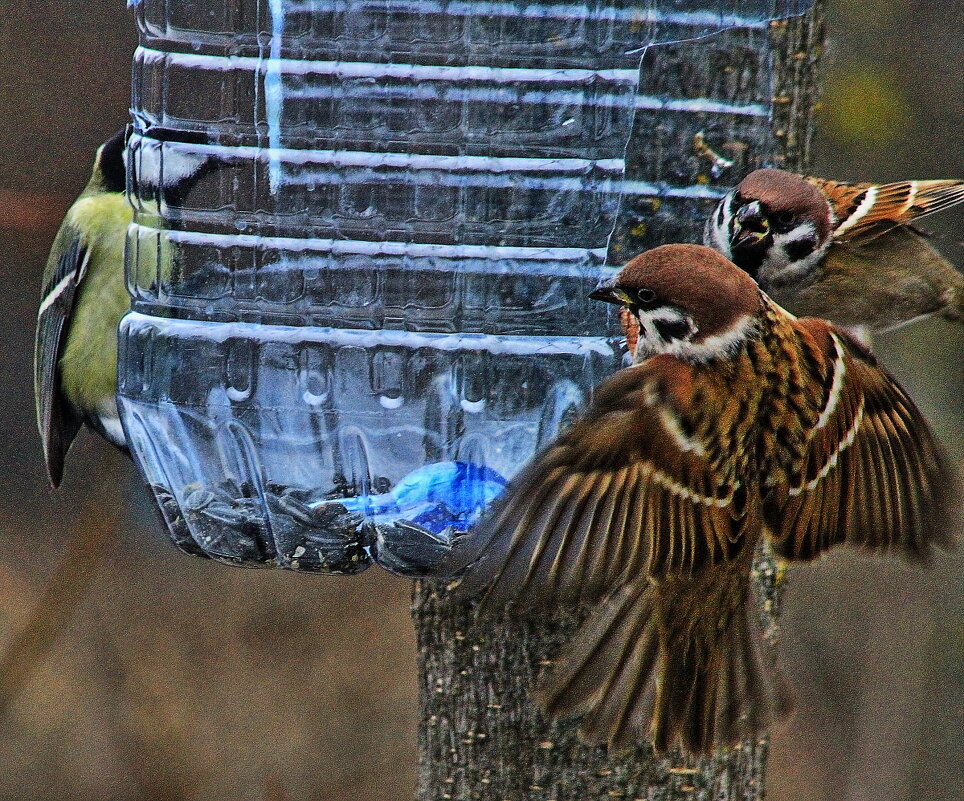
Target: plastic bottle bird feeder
[{"x": 364, "y": 238}]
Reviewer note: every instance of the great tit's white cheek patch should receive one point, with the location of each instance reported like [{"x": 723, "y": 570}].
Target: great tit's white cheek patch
[{"x": 181, "y": 165}]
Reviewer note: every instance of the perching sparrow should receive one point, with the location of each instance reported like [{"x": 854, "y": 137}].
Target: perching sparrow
[
  {"x": 737, "y": 420},
  {"x": 843, "y": 252}
]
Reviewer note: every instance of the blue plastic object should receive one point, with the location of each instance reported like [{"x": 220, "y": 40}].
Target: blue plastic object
[{"x": 441, "y": 497}]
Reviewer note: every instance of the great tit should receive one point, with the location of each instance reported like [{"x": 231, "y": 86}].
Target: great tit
[
  {"x": 84, "y": 293},
  {"x": 75, "y": 360},
  {"x": 83, "y": 299}
]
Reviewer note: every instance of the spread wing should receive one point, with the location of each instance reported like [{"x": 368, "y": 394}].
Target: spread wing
[
  {"x": 57, "y": 420},
  {"x": 864, "y": 211},
  {"x": 628, "y": 488},
  {"x": 874, "y": 477}
]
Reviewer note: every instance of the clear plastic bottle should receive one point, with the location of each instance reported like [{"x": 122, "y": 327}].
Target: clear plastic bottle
[{"x": 364, "y": 237}]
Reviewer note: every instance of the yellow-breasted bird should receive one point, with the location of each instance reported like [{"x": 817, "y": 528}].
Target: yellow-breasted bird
[
  {"x": 84, "y": 295},
  {"x": 83, "y": 299},
  {"x": 736, "y": 421},
  {"x": 75, "y": 382},
  {"x": 844, "y": 252}
]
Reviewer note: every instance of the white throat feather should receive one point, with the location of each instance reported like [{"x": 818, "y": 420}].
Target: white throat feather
[{"x": 719, "y": 346}]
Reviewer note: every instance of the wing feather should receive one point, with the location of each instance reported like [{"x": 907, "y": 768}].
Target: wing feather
[
  {"x": 874, "y": 476},
  {"x": 599, "y": 568},
  {"x": 616, "y": 496},
  {"x": 57, "y": 420},
  {"x": 865, "y": 211},
  {"x": 572, "y": 550}
]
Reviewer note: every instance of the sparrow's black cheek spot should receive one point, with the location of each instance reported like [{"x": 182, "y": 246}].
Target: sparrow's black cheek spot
[
  {"x": 800, "y": 248},
  {"x": 670, "y": 330},
  {"x": 750, "y": 259},
  {"x": 686, "y": 425}
]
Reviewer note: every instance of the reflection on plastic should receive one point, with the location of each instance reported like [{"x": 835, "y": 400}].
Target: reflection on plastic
[{"x": 366, "y": 305}]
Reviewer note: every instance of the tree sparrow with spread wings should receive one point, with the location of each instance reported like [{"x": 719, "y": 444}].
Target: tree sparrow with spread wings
[{"x": 737, "y": 421}]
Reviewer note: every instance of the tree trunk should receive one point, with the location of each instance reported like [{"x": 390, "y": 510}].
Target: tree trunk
[{"x": 480, "y": 734}]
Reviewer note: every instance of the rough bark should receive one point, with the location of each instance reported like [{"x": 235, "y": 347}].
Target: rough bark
[{"x": 480, "y": 735}]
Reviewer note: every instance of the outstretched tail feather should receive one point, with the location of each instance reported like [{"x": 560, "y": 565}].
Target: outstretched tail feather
[
  {"x": 603, "y": 689},
  {"x": 635, "y": 674}
]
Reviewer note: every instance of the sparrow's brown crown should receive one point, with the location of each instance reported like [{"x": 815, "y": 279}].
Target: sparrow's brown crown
[
  {"x": 697, "y": 279},
  {"x": 782, "y": 192}
]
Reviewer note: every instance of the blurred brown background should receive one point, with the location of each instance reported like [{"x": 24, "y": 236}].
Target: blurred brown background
[{"x": 182, "y": 679}]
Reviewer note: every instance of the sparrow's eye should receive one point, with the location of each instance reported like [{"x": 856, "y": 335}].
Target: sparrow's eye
[
  {"x": 785, "y": 217},
  {"x": 646, "y": 298}
]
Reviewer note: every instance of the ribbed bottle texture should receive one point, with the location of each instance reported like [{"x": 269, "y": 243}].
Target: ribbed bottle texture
[{"x": 365, "y": 232}]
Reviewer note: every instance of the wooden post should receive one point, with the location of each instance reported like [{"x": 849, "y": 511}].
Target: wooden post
[{"x": 480, "y": 734}]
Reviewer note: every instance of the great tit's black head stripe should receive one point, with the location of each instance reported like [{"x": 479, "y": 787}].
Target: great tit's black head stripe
[
  {"x": 162, "y": 134},
  {"x": 111, "y": 162}
]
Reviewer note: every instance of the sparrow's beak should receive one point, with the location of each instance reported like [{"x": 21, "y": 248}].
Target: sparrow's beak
[
  {"x": 750, "y": 226},
  {"x": 608, "y": 293}
]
